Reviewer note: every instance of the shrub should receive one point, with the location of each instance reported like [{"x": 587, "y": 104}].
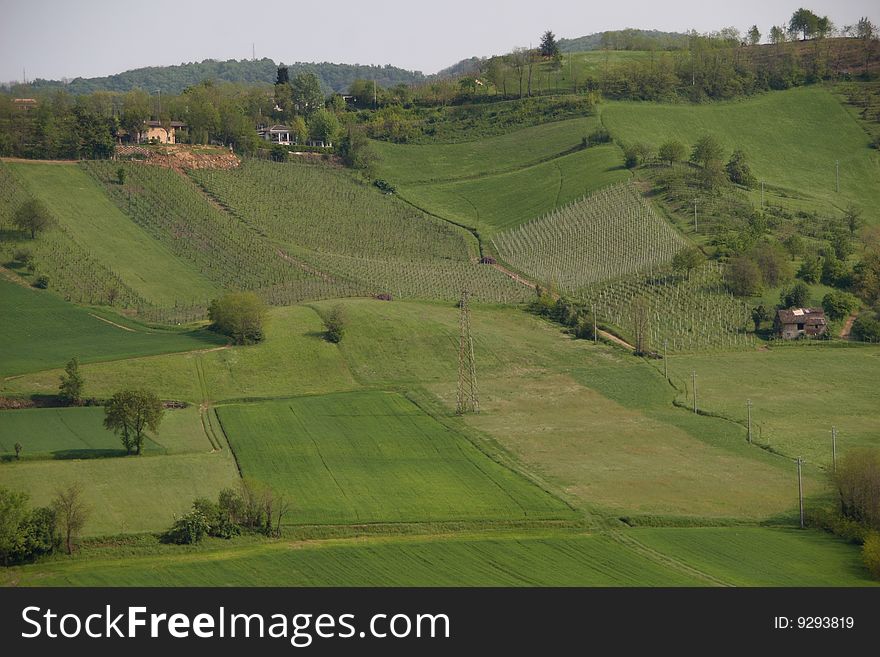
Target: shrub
[
  {"x": 279, "y": 153},
  {"x": 188, "y": 529},
  {"x": 384, "y": 296},
  {"x": 866, "y": 328},
  {"x": 240, "y": 315},
  {"x": 636, "y": 154},
  {"x": 738, "y": 170},
  {"x": 871, "y": 554},
  {"x": 42, "y": 282},
  {"x": 334, "y": 324},
  {"x": 743, "y": 276},
  {"x": 488, "y": 260},
  {"x": 811, "y": 270},
  {"x": 839, "y": 304},
  {"x": 599, "y": 136}
]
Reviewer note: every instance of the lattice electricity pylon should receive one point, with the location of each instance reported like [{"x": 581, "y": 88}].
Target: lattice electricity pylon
[{"x": 467, "y": 368}]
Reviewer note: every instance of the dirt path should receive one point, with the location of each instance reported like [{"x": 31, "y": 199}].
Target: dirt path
[
  {"x": 12, "y": 277},
  {"x": 605, "y": 335},
  {"x": 299, "y": 263},
  {"x": 124, "y": 328},
  {"x": 847, "y": 327}
]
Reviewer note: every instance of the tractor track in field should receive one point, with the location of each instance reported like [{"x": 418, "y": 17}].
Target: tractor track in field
[{"x": 627, "y": 540}]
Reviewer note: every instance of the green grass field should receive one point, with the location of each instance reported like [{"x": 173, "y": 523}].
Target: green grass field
[
  {"x": 646, "y": 557},
  {"x": 67, "y": 433},
  {"x": 129, "y": 494},
  {"x": 47, "y": 332},
  {"x": 798, "y": 393},
  {"x": 496, "y": 202},
  {"x": 432, "y": 163},
  {"x": 97, "y": 225},
  {"x": 293, "y": 360},
  {"x": 770, "y": 128},
  {"x": 368, "y": 457}
]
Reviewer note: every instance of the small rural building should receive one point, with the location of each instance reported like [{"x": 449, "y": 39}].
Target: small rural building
[
  {"x": 276, "y": 134},
  {"x": 155, "y": 130},
  {"x": 319, "y": 143},
  {"x": 800, "y": 322}
]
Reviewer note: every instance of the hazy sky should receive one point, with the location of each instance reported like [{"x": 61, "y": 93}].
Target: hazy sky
[{"x": 71, "y": 38}]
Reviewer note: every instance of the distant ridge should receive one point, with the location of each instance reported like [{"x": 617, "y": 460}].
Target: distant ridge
[
  {"x": 174, "y": 79},
  {"x": 628, "y": 39}
]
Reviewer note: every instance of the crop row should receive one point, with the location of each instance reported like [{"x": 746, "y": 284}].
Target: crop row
[
  {"x": 685, "y": 314},
  {"x": 322, "y": 208},
  {"x": 609, "y": 234}
]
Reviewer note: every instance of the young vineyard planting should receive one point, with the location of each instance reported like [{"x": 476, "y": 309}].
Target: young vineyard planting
[
  {"x": 322, "y": 208},
  {"x": 685, "y": 314},
  {"x": 611, "y": 234},
  {"x": 71, "y": 270}
]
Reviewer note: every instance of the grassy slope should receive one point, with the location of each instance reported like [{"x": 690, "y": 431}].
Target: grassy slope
[
  {"x": 746, "y": 557},
  {"x": 798, "y": 394},
  {"x": 496, "y": 202},
  {"x": 809, "y": 122},
  {"x": 751, "y": 556},
  {"x": 441, "y": 561},
  {"x": 62, "y": 433},
  {"x": 407, "y": 164},
  {"x": 374, "y": 457},
  {"x": 130, "y": 494},
  {"x": 294, "y": 360},
  {"x": 99, "y": 226},
  {"x": 47, "y": 332}
]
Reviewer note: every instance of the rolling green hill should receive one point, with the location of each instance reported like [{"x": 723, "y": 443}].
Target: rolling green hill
[
  {"x": 793, "y": 140},
  {"x": 48, "y": 332}
]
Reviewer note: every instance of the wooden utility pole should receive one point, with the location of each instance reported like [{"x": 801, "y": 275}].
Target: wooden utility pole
[
  {"x": 800, "y": 491},
  {"x": 837, "y": 169},
  {"x": 695, "y": 215},
  {"x": 833, "y": 449},
  {"x": 595, "y": 332},
  {"x": 694, "y": 379},
  {"x": 749, "y": 405},
  {"x": 762, "y": 194}
]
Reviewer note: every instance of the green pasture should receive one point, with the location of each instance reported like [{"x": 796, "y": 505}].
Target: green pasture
[
  {"x": 106, "y": 233},
  {"x": 293, "y": 360},
  {"x": 128, "y": 494},
  {"x": 46, "y": 332},
  {"x": 643, "y": 557},
  {"x": 432, "y": 163},
  {"x": 793, "y": 140},
  {"x": 798, "y": 393},
  {"x": 366, "y": 457},
  {"x": 78, "y": 432},
  {"x": 496, "y": 202}
]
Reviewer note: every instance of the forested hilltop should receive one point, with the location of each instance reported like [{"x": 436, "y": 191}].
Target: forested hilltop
[{"x": 174, "y": 79}]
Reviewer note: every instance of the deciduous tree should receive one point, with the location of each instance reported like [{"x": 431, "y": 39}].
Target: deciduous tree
[
  {"x": 130, "y": 414},
  {"x": 240, "y": 315},
  {"x": 71, "y": 514},
  {"x": 71, "y": 383},
  {"x": 33, "y": 217}
]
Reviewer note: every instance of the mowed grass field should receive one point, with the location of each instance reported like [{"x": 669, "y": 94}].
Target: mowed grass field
[
  {"x": 80, "y": 205},
  {"x": 293, "y": 360},
  {"x": 798, "y": 393},
  {"x": 645, "y": 557},
  {"x": 792, "y": 139},
  {"x": 432, "y": 163},
  {"x": 366, "y": 457},
  {"x": 78, "y": 432},
  {"x": 496, "y": 202},
  {"x": 47, "y": 332}
]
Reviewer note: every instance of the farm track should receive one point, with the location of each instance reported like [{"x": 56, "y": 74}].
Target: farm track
[
  {"x": 627, "y": 540},
  {"x": 124, "y": 328},
  {"x": 847, "y": 327},
  {"x": 12, "y": 277}
]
